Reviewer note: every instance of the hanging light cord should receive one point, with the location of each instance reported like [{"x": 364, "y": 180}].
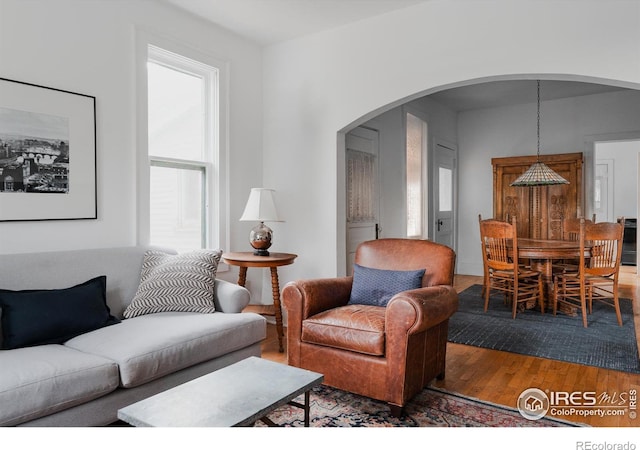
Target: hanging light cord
[
  {"x": 539, "y": 174},
  {"x": 538, "y": 158}
]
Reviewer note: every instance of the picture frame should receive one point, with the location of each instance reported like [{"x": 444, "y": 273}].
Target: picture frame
[{"x": 47, "y": 153}]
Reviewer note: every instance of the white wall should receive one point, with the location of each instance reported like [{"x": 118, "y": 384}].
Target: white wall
[
  {"x": 625, "y": 172},
  {"x": 316, "y": 86},
  {"x": 89, "y": 47}
]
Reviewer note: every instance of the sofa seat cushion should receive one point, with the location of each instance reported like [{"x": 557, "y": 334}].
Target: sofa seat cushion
[
  {"x": 357, "y": 328},
  {"x": 151, "y": 346},
  {"x": 38, "y": 381}
]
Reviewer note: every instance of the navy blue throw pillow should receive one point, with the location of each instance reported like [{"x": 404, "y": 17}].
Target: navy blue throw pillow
[
  {"x": 376, "y": 287},
  {"x": 37, "y": 317}
]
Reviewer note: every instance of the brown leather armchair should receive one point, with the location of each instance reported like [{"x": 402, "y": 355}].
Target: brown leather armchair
[{"x": 387, "y": 353}]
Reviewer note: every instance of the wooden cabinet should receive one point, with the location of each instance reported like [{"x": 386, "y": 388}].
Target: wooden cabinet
[{"x": 539, "y": 210}]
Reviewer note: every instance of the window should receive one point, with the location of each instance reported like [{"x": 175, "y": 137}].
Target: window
[
  {"x": 445, "y": 197},
  {"x": 416, "y": 130},
  {"x": 177, "y": 213},
  {"x": 185, "y": 180}
]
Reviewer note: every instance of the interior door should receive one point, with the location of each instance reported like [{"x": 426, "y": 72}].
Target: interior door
[
  {"x": 444, "y": 185},
  {"x": 363, "y": 197}
]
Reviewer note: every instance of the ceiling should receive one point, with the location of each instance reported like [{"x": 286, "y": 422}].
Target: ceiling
[
  {"x": 503, "y": 93},
  {"x": 267, "y": 22}
]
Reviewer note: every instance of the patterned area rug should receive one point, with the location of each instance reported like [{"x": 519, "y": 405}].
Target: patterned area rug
[
  {"x": 562, "y": 337},
  {"x": 432, "y": 407}
]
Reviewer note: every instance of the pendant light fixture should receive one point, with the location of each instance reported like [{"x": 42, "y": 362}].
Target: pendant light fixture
[{"x": 539, "y": 174}]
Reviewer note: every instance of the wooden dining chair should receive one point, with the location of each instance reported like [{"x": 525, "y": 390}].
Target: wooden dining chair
[
  {"x": 501, "y": 269},
  {"x": 570, "y": 232},
  {"x": 571, "y": 228},
  {"x": 598, "y": 270}
]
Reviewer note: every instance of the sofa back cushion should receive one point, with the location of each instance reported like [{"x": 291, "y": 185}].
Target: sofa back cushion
[{"x": 58, "y": 270}]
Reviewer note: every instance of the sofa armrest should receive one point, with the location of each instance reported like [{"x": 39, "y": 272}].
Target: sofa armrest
[
  {"x": 230, "y": 297},
  {"x": 414, "y": 311}
]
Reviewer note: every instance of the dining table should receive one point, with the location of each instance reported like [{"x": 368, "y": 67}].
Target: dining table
[{"x": 541, "y": 254}]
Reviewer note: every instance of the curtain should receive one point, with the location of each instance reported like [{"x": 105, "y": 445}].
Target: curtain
[{"x": 360, "y": 186}]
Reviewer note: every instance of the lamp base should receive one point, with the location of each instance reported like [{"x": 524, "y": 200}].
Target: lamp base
[{"x": 260, "y": 239}]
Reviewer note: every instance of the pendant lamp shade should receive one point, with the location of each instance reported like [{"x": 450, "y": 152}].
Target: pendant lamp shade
[{"x": 539, "y": 174}]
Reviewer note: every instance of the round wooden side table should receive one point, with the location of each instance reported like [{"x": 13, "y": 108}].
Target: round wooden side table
[{"x": 245, "y": 260}]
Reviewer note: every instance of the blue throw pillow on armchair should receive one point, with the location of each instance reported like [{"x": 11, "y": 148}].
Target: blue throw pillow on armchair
[{"x": 376, "y": 286}]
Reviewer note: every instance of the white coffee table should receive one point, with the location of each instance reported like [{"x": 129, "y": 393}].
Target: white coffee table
[{"x": 236, "y": 395}]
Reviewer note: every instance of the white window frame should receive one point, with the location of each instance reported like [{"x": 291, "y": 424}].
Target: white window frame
[
  {"x": 424, "y": 170},
  {"x": 160, "y": 49}
]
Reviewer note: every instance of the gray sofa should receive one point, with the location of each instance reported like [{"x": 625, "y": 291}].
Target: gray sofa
[{"x": 85, "y": 380}]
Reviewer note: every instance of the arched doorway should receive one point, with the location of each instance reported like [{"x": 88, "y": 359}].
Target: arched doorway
[{"x": 453, "y": 111}]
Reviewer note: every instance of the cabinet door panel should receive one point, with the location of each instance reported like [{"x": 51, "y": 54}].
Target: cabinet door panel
[{"x": 539, "y": 210}]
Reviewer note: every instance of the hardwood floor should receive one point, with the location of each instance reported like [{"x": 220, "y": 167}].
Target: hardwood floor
[{"x": 500, "y": 377}]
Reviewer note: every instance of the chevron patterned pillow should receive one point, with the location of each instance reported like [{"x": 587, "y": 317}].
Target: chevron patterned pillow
[{"x": 180, "y": 283}]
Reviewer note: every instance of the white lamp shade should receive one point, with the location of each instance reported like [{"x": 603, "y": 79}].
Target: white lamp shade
[{"x": 261, "y": 206}]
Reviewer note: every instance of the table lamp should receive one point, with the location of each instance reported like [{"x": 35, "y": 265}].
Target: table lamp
[{"x": 261, "y": 207}]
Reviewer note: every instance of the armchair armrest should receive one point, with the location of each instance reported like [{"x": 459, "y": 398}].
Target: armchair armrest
[
  {"x": 310, "y": 297},
  {"x": 414, "y": 311},
  {"x": 416, "y": 325},
  {"x": 305, "y": 298}
]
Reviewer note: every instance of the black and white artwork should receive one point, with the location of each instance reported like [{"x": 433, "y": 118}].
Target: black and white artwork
[
  {"x": 34, "y": 152},
  {"x": 47, "y": 153}
]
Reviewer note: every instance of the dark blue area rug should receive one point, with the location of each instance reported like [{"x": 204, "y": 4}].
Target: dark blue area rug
[{"x": 562, "y": 337}]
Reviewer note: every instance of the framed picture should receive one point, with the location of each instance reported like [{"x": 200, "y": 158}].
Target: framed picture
[{"x": 47, "y": 153}]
